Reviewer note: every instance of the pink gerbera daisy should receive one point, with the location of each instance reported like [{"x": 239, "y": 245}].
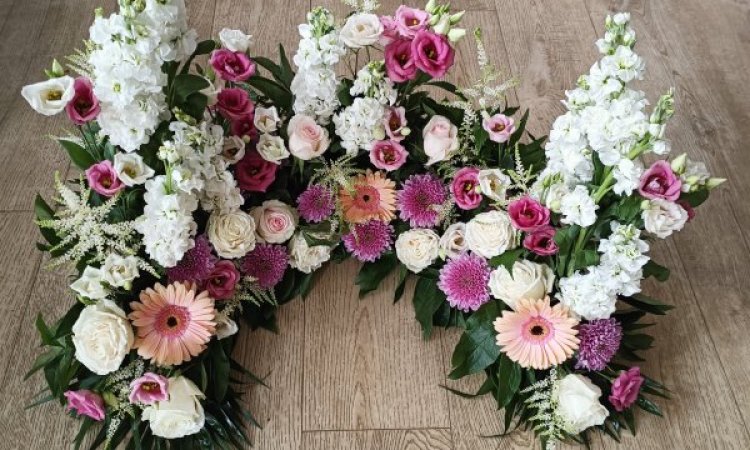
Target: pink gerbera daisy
[
  {"x": 536, "y": 334},
  {"x": 421, "y": 200},
  {"x": 316, "y": 204},
  {"x": 266, "y": 264},
  {"x": 464, "y": 280},
  {"x": 173, "y": 323},
  {"x": 368, "y": 241}
]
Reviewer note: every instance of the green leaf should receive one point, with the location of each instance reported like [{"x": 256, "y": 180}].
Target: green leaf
[
  {"x": 476, "y": 349},
  {"x": 43, "y": 360},
  {"x": 507, "y": 259},
  {"x": 508, "y": 381},
  {"x": 648, "y": 406},
  {"x": 47, "y": 337},
  {"x": 273, "y": 68},
  {"x": 272, "y": 91},
  {"x": 186, "y": 84},
  {"x": 653, "y": 269},
  {"x": 638, "y": 341},
  {"x": 287, "y": 73},
  {"x": 220, "y": 371},
  {"x": 428, "y": 299},
  {"x": 647, "y": 304},
  {"x": 203, "y": 48},
  {"x": 696, "y": 198},
  {"x": 373, "y": 273},
  {"x": 78, "y": 154},
  {"x": 403, "y": 274},
  {"x": 344, "y": 93}
]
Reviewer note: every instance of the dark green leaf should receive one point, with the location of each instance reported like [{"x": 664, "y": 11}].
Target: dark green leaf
[
  {"x": 647, "y": 304},
  {"x": 696, "y": 198},
  {"x": 653, "y": 269},
  {"x": 43, "y": 360},
  {"x": 403, "y": 274},
  {"x": 508, "y": 381},
  {"x": 273, "y": 91},
  {"x": 186, "y": 84},
  {"x": 78, "y": 154},
  {"x": 476, "y": 349},
  {"x": 648, "y": 406},
  {"x": 507, "y": 259},
  {"x": 428, "y": 298},
  {"x": 47, "y": 336},
  {"x": 373, "y": 273}
]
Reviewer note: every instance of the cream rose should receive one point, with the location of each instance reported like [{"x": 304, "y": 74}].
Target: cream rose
[
  {"x": 417, "y": 248},
  {"x": 453, "y": 241},
  {"x": 266, "y": 119},
  {"x": 490, "y": 234},
  {"x": 90, "y": 284},
  {"x": 662, "y": 218},
  {"x": 51, "y": 96},
  {"x": 232, "y": 234},
  {"x": 131, "y": 169},
  {"x": 578, "y": 403},
  {"x": 275, "y": 221},
  {"x": 119, "y": 270},
  {"x": 181, "y": 415},
  {"x": 272, "y": 148},
  {"x": 528, "y": 280},
  {"x": 102, "y": 337},
  {"x": 494, "y": 183},
  {"x": 440, "y": 139},
  {"x": 361, "y": 30},
  {"x": 307, "y": 139},
  {"x": 235, "y": 40},
  {"x": 305, "y": 258}
]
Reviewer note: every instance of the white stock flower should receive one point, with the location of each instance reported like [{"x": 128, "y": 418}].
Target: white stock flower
[
  {"x": 627, "y": 175},
  {"x": 528, "y": 280},
  {"x": 102, "y": 337},
  {"x": 360, "y": 124},
  {"x": 119, "y": 270},
  {"x": 417, "y": 248},
  {"x": 266, "y": 120},
  {"x": 494, "y": 184},
  {"x": 578, "y": 207},
  {"x": 235, "y": 40},
  {"x": 275, "y": 221},
  {"x": 89, "y": 285},
  {"x": 181, "y": 415},
  {"x": 131, "y": 169},
  {"x": 232, "y": 234},
  {"x": 305, "y": 258},
  {"x": 453, "y": 241},
  {"x": 361, "y": 30},
  {"x": 490, "y": 234},
  {"x": 578, "y": 403},
  {"x": 662, "y": 218},
  {"x": 592, "y": 295},
  {"x": 49, "y": 97},
  {"x": 272, "y": 148}
]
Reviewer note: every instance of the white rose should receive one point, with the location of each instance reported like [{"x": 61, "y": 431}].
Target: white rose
[
  {"x": 102, "y": 336},
  {"x": 305, "y": 258},
  {"x": 578, "y": 403},
  {"x": 131, "y": 169},
  {"x": 440, "y": 139},
  {"x": 275, "y": 221},
  {"x": 233, "y": 149},
  {"x": 51, "y": 96},
  {"x": 120, "y": 271},
  {"x": 361, "y": 30},
  {"x": 490, "y": 234},
  {"x": 307, "y": 139},
  {"x": 225, "y": 326},
  {"x": 272, "y": 148},
  {"x": 266, "y": 119},
  {"x": 181, "y": 415},
  {"x": 453, "y": 241},
  {"x": 417, "y": 248},
  {"x": 235, "y": 40},
  {"x": 494, "y": 183},
  {"x": 90, "y": 284},
  {"x": 529, "y": 280},
  {"x": 662, "y": 218},
  {"x": 232, "y": 234}
]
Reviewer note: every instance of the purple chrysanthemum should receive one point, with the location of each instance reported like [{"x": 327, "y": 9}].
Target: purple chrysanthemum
[
  {"x": 196, "y": 265},
  {"x": 600, "y": 340},
  {"x": 267, "y": 264},
  {"x": 465, "y": 280},
  {"x": 316, "y": 204},
  {"x": 368, "y": 241},
  {"x": 421, "y": 199}
]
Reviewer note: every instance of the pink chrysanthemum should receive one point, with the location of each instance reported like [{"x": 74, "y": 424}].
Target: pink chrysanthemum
[
  {"x": 421, "y": 200},
  {"x": 196, "y": 265},
  {"x": 464, "y": 280},
  {"x": 600, "y": 340},
  {"x": 316, "y": 204},
  {"x": 368, "y": 241},
  {"x": 173, "y": 324},
  {"x": 267, "y": 264}
]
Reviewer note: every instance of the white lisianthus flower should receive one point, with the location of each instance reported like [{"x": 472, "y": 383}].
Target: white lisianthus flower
[
  {"x": 275, "y": 221},
  {"x": 662, "y": 218},
  {"x": 225, "y": 326},
  {"x": 131, "y": 169},
  {"x": 119, "y": 270},
  {"x": 453, "y": 241},
  {"x": 51, "y": 96},
  {"x": 417, "y": 248},
  {"x": 102, "y": 337},
  {"x": 306, "y": 258},
  {"x": 528, "y": 280},
  {"x": 181, "y": 415},
  {"x": 490, "y": 234},
  {"x": 578, "y": 207},
  {"x": 235, "y": 40},
  {"x": 494, "y": 183},
  {"x": 578, "y": 403},
  {"x": 272, "y": 148},
  {"x": 232, "y": 234},
  {"x": 266, "y": 119},
  {"x": 90, "y": 284},
  {"x": 361, "y": 30},
  {"x": 233, "y": 149}
]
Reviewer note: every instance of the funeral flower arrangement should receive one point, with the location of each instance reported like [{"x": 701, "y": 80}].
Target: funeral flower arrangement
[{"x": 213, "y": 184}]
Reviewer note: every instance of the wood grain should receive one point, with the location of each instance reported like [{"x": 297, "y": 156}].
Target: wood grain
[{"x": 433, "y": 439}]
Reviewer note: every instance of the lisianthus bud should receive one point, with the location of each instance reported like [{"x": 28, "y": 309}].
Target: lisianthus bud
[
  {"x": 455, "y": 18},
  {"x": 456, "y": 34},
  {"x": 713, "y": 183},
  {"x": 678, "y": 164},
  {"x": 442, "y": 26}
]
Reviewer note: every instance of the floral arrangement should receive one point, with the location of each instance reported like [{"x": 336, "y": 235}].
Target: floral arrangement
[{"x": 209, "y": 196}]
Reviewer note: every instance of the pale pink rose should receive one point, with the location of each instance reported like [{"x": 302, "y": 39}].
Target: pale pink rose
[
  {"x": 307, "y": 139},
  {"x": 387, "y": 155},
  {"x": 149, "y": 389},
  {"x": 275, "y": 221},
  {"x": 440, "y": 139},
  {"x": 500, "y": 127},
  {"x": 395, "y": 123},
  {"x": 85, "y": 403}
]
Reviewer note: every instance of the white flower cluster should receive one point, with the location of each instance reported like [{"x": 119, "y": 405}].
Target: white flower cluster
[
  {"x": 128, "y": 50},
  {"x": 360, "y": 124},
  {"x": 372, "y": 82},
  {"x": 315, "y": 84},
  {"x": 593, "y": 295}
]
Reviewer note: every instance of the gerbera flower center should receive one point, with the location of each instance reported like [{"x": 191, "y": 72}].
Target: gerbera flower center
[
  {"x": 172, "y": 321},
  {"x": 538, "y": 329},
  {"x": 367, "y": 198}
]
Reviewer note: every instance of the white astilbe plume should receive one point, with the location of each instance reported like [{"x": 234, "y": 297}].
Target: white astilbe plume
[
  {"x": 542, "y": 399},
  {"x": 362, "y": 6}
]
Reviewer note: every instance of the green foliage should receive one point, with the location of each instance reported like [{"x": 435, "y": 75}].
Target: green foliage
[
  {"x": 476, "y": 349},
  {"x": 373, "y": 273},
  {"x": 79, "y": 155},
  {"x": 428, "y": 299}
]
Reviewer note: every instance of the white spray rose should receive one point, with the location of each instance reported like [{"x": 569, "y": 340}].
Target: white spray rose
[
  {"x": 578, "y": 403},
  {"x": 272, "y": 148},
  {"x": 490, "y": 234},
  {"x": 90, "y": 284},
  {"x": 305, "y": 258},
  {"x": 51, "y": 96},
  {"x": 361, "y": 30},
  {"x": 453, "y": 241},
  {"x": 232, "y": 234},
  {"x": 440, "y": 139},
  {"x": 235, "y": 40},
  {"x": 528, "y": 280},
  {"x": 102, "y": 337},
  {"x": 225, "y": 326},
  {"x": 131, "y": 169},
  {"x": 275, "y": 221},
  {"x": 494, "y": 183},
  {"x": 417, "y": 248},
  {"x": 119, "y": 270},
  {"x": 181, "y": 415},
  {"x": 266, "y": 119},
  {"x": 662, "y": 218}
]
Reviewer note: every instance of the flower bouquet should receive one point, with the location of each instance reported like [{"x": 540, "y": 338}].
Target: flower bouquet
[{"x": 210, "y": 195}]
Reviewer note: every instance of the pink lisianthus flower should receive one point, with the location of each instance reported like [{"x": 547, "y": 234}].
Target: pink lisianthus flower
[
  {"x": 541, "y": 241},
  {"x": 232, "y": 66},
  {"x": 244, "y": 127},
  {"x": 102, "y": 178},
  {"x": 395, "y": 123},
  {"x": 432, "y": 53},
  {"x": 465, "y": 188},
  {"x": 659, "y": 181},
  {"x": 149, "y": 389},
  {"x": 527, "y": 214},
  {"x": 234, "y": 104},
  {"x": 499, "y": 127},
  {"x": 254, "y": 173},
  {"x": 409, "y": 21},
  {"x": 85, "y": 403},
  {"x": 84, "y": 106},
  {"x": 390, "y": 30},
  {"x": 387, "y": 155},
  {"x": 399, "y": 61},
  {"x": 625, "y": 389},
  {"x": 222, "y": 281}
]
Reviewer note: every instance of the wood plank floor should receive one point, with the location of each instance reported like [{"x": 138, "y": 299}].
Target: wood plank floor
[{"x": 355, "y": 374}]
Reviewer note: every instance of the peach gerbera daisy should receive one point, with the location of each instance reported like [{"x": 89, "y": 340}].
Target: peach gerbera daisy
[
  {"x": 173, "y": 323},
  {"x": 371, "y": 196},
  {"x": 536, "y": 334}
]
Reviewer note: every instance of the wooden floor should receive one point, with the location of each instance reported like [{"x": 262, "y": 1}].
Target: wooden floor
[{"x": 350, "y": 374}]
